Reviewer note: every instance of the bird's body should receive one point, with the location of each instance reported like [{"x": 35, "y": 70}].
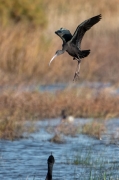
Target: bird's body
[
  {"x": 50, "y": 162},
  {"x": 72, "y": 44},
  {"x": 74, "y": 51},
  {"x": 65, "y": 118}
]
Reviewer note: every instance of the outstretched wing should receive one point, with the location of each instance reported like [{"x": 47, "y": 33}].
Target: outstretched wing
[{"x": 82, "y": 28}]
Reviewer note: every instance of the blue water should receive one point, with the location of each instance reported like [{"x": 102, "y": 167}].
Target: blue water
[
  {"x": 27, "y": 158},
  {"x": 52, "y": 88}
]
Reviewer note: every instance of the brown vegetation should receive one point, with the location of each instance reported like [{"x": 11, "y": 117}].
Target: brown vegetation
[
  {"x": 67, "y": 128},
  {"x": 27, "y": 46},
  {"x": 94, "y": 129},
  {"x": 57, "y": 138},
  {"x": 9, "y": 129},
  {"x": 16, "y": 107},
  {"x": 35, "y": 105}
]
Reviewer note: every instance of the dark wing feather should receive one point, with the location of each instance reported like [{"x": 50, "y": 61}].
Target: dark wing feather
[
  {"x": 64, "y": 34},
  {"x": 82, "y": 28}
]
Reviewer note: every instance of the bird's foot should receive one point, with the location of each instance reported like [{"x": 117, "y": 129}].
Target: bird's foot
[{"x": 76, "y": 75}]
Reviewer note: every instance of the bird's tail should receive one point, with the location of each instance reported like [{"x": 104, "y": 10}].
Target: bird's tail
[{"x": 84, "y": 53}]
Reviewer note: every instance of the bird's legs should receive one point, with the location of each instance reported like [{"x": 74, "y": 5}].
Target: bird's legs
[{"x": 77, "y": 71}]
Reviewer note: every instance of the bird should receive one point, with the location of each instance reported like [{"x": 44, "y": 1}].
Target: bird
[
  {"x": 64, "y": 122},
  {"x": 66, "y": 118},
  {"x": 50, "y": 161},
  {"x": 72, "y": 43}
]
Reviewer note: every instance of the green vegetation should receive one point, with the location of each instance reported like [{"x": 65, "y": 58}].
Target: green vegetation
[
  {"x": 87, "y": 160},
  {"x": 29, "y": 11},
  {"x": 98, "y": 168}
]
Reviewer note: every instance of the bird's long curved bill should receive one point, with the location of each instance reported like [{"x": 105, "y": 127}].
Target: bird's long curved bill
[{"x": 52, "y": 59}]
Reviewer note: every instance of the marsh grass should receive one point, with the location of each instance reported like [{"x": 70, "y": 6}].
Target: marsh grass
[
  {"x": 86, "y": 158},
  {"x": 20, "y": 106},
  {"x": 38, "y": 105},
  {"x": 11, "y": 130},
  {"x": 67, "y": 128},
  {"x": 103, "y": 176},
  {"x": 97, "y": 167},
  {"x": 94, "y": 129},
  {"x": 26, "y": 49}
]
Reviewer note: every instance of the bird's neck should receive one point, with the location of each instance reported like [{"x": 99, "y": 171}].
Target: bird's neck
[
  {"x": 60, "y": 52},
  {"x": 49, "y": 176}
]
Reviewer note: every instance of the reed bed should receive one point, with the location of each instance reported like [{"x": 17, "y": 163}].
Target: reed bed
[
  {"x": 94, "y": 129},
  {"x": 11, "y": 129},
  {"x": 22, "y": 106},
  {"x": 17, "y": 107}
]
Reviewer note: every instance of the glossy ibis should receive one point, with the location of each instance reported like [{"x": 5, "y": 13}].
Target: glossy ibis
[
  {"x": 72, "y": 44},
  {"x": 50, "y": 162}
]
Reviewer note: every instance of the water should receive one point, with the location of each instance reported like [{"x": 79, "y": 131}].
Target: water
[
  {"x": 52, "y": 88},
  {"x": 94, "y": 86},
  {"x": 27, "y": 158}
]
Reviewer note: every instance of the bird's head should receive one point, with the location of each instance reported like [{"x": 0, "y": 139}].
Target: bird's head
[
  {"x": 51, "y": 159},
  {"x": 62, "y": 31},
  {"x": 64, "y": 34}
]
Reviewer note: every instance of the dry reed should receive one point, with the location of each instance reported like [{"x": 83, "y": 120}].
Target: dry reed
[
  {"x": 35, "y": 105},
  {"x": 16, "y": 107},
  {"x": 94, "y": 129},
  {"x": 26, "y": 49}
]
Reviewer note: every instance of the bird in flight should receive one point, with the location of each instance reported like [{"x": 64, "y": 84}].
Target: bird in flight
[{"x": 72, "y": 44}]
